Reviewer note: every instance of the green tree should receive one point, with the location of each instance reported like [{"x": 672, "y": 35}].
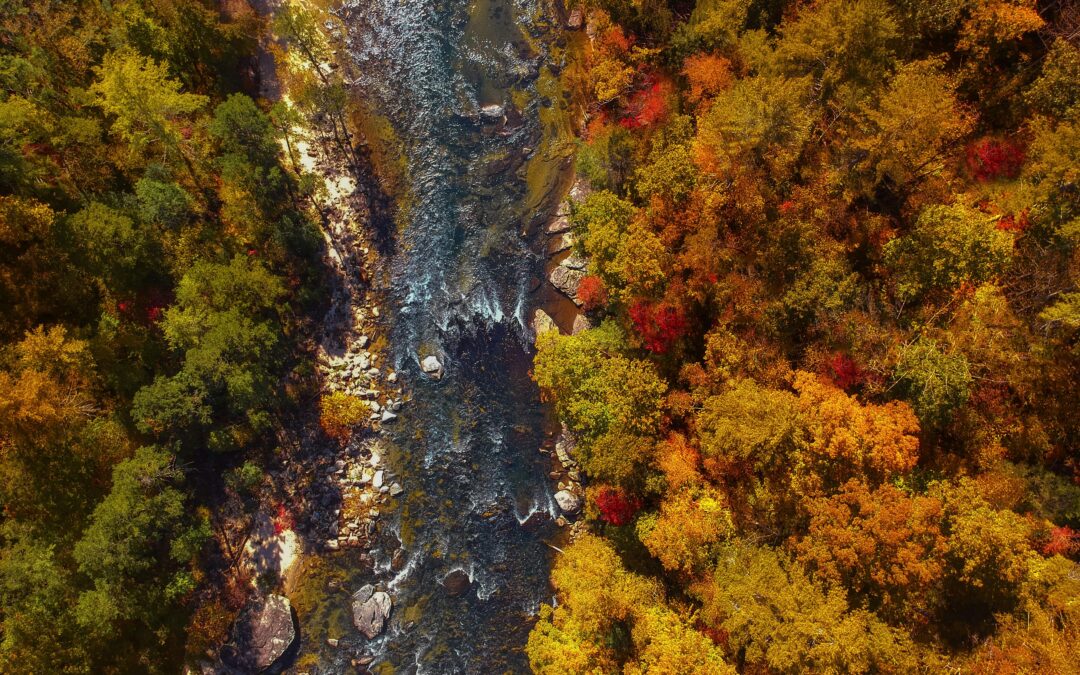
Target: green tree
[
  {"x": 936, "y": 383},
  {"x": 612, "y": 402},
  {"x": 949, "y": 246},
  {"x": 147, "y": 106},
  {"x": 138, "y": 547},
  {"x": 226, "y": 328}
]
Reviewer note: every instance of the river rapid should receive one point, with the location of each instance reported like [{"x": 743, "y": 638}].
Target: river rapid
[{"x": 473, "y": 567}]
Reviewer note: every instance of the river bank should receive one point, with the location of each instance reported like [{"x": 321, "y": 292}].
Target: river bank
[{"x": 437, "y": 509}]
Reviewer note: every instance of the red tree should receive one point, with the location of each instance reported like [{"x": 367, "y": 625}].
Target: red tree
[
  {"x": 660, "y": 325},
  {"x": 990, "y": 158},
  {"x": 592, "y": 293},
  {"x": 844, "y": 372},
  {"x": 616, "y": 507}
]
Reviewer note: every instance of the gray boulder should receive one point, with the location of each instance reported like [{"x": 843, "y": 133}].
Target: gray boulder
[
  {"x": 568, "y": 501},
  {"x": 370, "y": 610},
  {"x": 567, "y": 281}
]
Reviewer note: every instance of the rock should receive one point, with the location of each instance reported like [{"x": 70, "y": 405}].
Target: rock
[
  {"x": 559, "y": 225},
  {"x": 432, "y": 366},
  {"x": 581, "y": 323},
  {"x": 391, "y": 378},
  {"x": 332, "y": 642},
  {"x": 567, "y": 281},
  {"x": 580, "y": 191},
  {"x": 370, "y": 610},
  {"x": 543, "y": 323},
  {"x": 262, "y": 634},
  {"x": 456, "y": 583},
  {"x": 396, "y": 489},
  {"x": 388, "y": 416},
  {"x": 493, "y": 112},
  {"x": 559, "y": 243},
  {"x": 332, "y": 544},
  {"x": 574, "y": 263},
  {"x": 564, "y": 448},
  {"x": 362, "y": 341},
  {"x": 377, "y": 480},
  {"x": 576, "y": 19},
  {"x": 568, "y": 501}
]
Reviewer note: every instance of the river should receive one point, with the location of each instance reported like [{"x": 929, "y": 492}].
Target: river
[{"x": 477, "y": 502}]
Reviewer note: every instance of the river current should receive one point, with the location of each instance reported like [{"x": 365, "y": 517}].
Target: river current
[{"x": 477, "y": 504}]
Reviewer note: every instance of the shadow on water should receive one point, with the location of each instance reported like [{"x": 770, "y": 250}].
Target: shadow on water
[{"x": 472, "y": 567}]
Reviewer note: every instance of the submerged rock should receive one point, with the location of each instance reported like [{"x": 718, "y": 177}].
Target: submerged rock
[
  {"x": 370, "y": 610},
  {"x": 493, "y": 112},
  {"x": 456, "y": 583}
]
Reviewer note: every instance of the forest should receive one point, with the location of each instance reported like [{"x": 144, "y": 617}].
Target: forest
[
  {"x": 158, "y": 260},
  {"x": 826, "y": 413},
  {"x": 828, "y": 408}
]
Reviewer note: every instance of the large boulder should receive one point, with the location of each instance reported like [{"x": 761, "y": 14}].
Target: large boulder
[
  {"x": 559, "y": 225},
  {"x": 568, "y": 501},
  {"x": 581, "y": 323},
  {"x": 263, "y": 633},
  {"x": 567, "y": 280},
  {"x": 370, "y": 610},
  {"x": 543, "y": 323},
  {"x": 560, "y": 242}
]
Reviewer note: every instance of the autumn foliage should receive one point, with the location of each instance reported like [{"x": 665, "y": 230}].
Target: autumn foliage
[
  {"x": 659, "y": 325},
  {"x": 592, "y": 293},
  {"x": 843, "y": 235},
  {"x": 616, "y": 507},
  {"x": 992, "y": 158}
]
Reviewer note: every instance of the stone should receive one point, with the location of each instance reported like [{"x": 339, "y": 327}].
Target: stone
[
  {"x": 391, "y": 378},
  {"x": 574, "y": 262},
  {"x": 370, "y": 610},
  {"x": 456, "y": 583},
  {"x": 332, "y": 642},
  {"x": 567, "y": 501},
  {"x": 388, "y": 416},
  {"x": 432, "y": 366},
  {"x": 559, "y": 225},
  {"x": 580, "y": 190},
  {"x": 377, "y": 480},
  {"x": 493, "y": 111},
  {"x": 262, "y": 635},
  {"x": 564, "y": 448},
  {"x": 560, "y": 243},
  {"x": 576, "y": 19},
  {"x": 396, "y": 489},
  {"x": 567, "y": 281},
  {"x": 543, "y": 323},
  {"x": 362, "y": 341},
  {"x": 332, "y": 544},
  {"x": 581, "y": 323}
]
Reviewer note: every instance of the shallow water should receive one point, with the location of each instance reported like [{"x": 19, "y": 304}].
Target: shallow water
[{"x": 465, "y": 447}]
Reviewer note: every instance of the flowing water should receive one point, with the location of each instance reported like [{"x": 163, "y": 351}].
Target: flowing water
[{"x": 477, "y": 500}]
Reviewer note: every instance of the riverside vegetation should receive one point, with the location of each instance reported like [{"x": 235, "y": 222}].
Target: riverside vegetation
[{"x": 827, "y": 413}]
